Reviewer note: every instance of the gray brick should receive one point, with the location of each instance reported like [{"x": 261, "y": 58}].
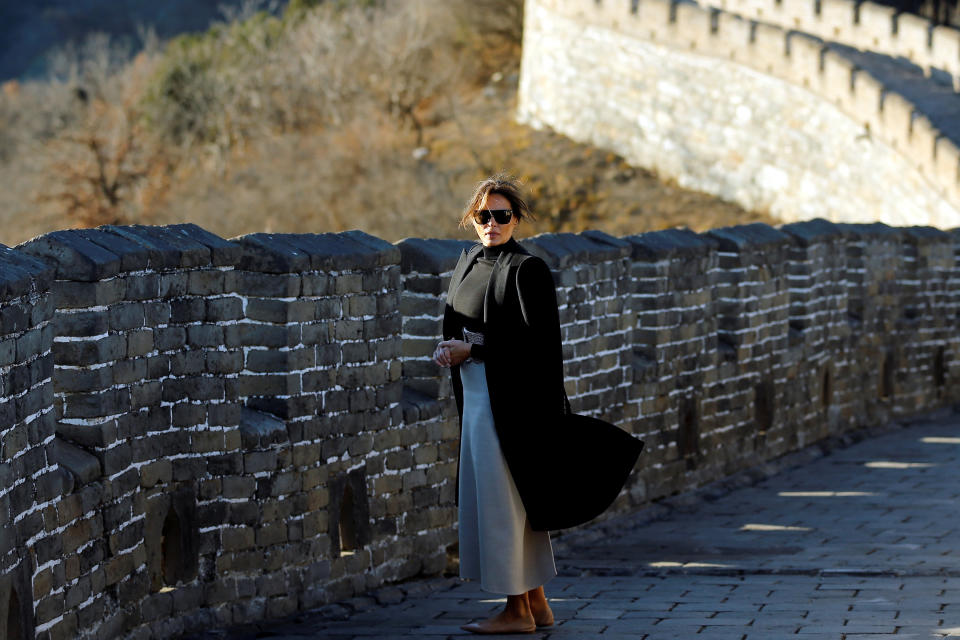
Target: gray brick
[
  {"x": 173, "y": 284},
  {"x": 348, "y": 283},
  {"x": 73, "y": 380},
  {"x": 417, "y": 306},
  {"x": 146, "y": 394},
  {"x": 328, "y": 308},
  {"x": 205, "y": 283},
  {"x": 13, "y": 319},
  {"x": 8, "y": 351},
  {"x": 355, "y": 352},
  {"x": 205, "y": 336},
  {"x": 29, "y": 344},
  {"x": 264, "y": 385},
  {"x": 224, "y": 414},
  {"x": 224, "y": 362},
  {"x": 170, "y": 338},
  {"x": 194, "y": 388},
  {"x": 125, "y": 316},
  {"x": 105, "y": 403},
  {"x": 317, "y": 284},
  {"x": 127, "y": 371},
  {"x": 318, "y": 333},
  {"x": 87, "y": 352},
  {"x": 358, "y": 306},
  {"x": 186, "y": 310},
  {"x": 85, "y": 323},
  {"x": 158, "y": 366},
  {"x": 188, "y": 362},
  {"x": 249, "y": 283},
  {"x": 257, "y": 461},
  {"x": 143, "y": 286},
  {"x": 267, "y": 310},
  {"x": 266, "y": 360},
  {"x": 186, "y": 415},
  {"x": 139, "y": 343},
  {"x": 222, "y": 309},
  {"x": 73, "y": 295},
  {"x": 156, "y": 313},
  {"x": 242, "y": 335}
]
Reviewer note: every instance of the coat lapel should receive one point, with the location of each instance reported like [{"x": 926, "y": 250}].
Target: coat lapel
[
  {"x": 497, "y": 286},
  {"x": 467, "y": 257}
]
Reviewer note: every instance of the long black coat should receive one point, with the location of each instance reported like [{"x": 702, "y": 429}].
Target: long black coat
[{"x": 566, "y": 470}]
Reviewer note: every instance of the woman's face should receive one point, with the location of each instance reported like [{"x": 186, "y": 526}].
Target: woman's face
[{"x": 494, "y": 233}]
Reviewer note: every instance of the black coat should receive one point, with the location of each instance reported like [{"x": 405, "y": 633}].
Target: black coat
[{"x": 567, "y": 468}]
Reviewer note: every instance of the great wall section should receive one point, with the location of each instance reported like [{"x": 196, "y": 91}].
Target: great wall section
[
  {"x": 198, "y": 432},
  {"x": 764, "y": 102},
  {"x": 201, "y": 432}
]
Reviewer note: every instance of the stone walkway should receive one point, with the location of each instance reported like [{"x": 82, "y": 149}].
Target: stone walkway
[{"x": 863, "y": 543}]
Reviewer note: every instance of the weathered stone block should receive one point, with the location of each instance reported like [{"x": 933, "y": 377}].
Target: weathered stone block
[{"x": 205, "y": 282}]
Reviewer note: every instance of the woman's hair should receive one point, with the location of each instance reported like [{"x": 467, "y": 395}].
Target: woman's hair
[{"x": 503, "y": 184}]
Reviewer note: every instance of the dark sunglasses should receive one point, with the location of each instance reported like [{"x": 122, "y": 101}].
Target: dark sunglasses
[{"x": 502, "y": 216}]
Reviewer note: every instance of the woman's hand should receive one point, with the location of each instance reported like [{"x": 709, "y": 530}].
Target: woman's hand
[
  {"x": 451, "y": 352},
  {"x": 441, "y": 356}
]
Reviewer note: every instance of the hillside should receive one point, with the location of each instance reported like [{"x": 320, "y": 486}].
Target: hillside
[{"x": 327, "y": 118}]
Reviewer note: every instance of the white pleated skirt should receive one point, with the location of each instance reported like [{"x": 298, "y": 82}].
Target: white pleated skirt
[{"x": 497, "y": 545}]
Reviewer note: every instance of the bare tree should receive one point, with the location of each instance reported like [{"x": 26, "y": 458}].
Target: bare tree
[
  {"x": 98, "y": 165},
  {"x": 408, "y": 72}
]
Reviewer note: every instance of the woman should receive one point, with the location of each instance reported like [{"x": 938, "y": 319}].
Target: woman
[{"x": 502, "y": 344}]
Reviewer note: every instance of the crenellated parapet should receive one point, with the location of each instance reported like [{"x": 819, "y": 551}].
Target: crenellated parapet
[
  {"x": 198, "y": 432},
  {"x": 660, "y": 60},
  {"x": 865, "y": 25}
]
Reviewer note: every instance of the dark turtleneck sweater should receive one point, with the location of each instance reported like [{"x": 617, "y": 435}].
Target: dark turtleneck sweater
[{"x": 468, "y": 298}]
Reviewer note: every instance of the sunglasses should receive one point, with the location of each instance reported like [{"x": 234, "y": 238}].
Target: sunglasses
[{"x": 502, "y": 216}]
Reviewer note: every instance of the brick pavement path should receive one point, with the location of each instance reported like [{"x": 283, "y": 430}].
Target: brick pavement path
[{"x": 863, "y": 543}]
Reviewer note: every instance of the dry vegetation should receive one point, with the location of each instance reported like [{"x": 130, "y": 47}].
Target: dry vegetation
[{"x": 370, "y": 115}]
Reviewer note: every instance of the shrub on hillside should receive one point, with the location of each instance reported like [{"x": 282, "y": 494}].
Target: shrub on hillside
[
  {"x": 314, "y": 66},
  {"x": 197, "y": 93}
]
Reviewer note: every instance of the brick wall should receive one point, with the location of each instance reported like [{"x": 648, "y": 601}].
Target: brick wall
[
  {"x": 200, "y": 432},
  {"x": 31, "y": 480}
]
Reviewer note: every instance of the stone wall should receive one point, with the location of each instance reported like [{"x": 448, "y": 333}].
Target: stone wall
[
  {"x": 199, "y": 432},
  {"x": 754, "y": 112},
  {"x": 31, "y": 481}
]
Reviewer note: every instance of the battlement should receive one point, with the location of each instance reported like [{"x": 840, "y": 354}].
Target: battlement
[
  {"x": 865, "y": 25},
  {"x": 693, "y": 34},
  {"x": 200, "y": 432}
]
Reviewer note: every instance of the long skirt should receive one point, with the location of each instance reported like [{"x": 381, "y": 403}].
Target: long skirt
[{"x": 497, "y": 545}]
